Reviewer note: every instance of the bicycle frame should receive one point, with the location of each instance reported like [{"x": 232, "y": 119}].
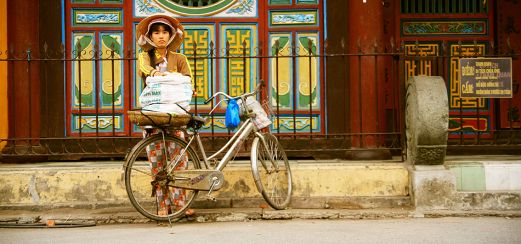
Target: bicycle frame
[{"x": 232, "y": 146}]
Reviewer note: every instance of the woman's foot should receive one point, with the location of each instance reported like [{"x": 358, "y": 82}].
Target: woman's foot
[{"x": 190, "y": 212}]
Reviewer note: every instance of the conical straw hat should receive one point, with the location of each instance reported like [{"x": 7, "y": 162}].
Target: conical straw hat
[{"x": 143, "y": 28}]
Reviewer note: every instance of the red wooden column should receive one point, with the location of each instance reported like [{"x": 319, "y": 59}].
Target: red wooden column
[
  {"x": 365, "y": 29},
  {"x": 509, "y": 28},
  {"x": 4, "y": 126},
  {"x": 23, "y": 76}
]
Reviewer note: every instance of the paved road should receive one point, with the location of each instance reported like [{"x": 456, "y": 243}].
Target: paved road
[{"x": 414, "y": 230}]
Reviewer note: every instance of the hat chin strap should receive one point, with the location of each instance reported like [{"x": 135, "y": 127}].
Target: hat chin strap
[
  {"x": 143, "y": 40},
  {"x": 171, "y": 39}
]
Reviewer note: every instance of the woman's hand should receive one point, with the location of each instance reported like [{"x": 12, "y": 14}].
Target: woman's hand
[{"x": 159, "y": 74}]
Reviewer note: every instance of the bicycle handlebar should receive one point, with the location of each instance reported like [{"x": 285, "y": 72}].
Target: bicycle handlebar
[{"x": 257, "y": 89}]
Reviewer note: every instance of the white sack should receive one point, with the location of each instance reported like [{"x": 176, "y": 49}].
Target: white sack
[{"x": 167, "y": 93}]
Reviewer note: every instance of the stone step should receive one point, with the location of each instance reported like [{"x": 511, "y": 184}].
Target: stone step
[{"x": 316, "y": 184}]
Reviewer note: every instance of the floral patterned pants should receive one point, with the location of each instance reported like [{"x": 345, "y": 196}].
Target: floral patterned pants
[{"x": 168, "y": 199}]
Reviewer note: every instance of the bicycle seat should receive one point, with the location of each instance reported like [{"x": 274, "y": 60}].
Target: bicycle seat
[{"x": 196, "y": 122}]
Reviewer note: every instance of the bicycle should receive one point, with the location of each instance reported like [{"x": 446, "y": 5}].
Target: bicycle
[{"x": 178, "y": 172}]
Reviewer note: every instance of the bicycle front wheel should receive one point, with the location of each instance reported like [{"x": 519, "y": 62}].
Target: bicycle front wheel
[
  {"x": 271, "y": 171},
  {"x": 149, "y": 170}
]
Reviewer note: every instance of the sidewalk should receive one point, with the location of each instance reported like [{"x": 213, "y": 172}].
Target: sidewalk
[
  {"x": 127, "y": 215},
  {"x": 323, "y": 189}
]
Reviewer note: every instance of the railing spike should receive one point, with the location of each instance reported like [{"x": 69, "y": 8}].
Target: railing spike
[
  {"x": 29, "y": 52},
  {"x": 277, "y": 47},
  {"x": 227, "y": 48},
  {"x": 78, "y": 50},
  {"x": 129, "y": 53},
  {"x": 294, "y": 48},
  {"x": 62, "y": 49},
  {"x": 416, "y": 47},
  {"x": 326, "y": 45}
]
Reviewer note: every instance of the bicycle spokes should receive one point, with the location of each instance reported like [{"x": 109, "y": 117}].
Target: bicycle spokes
[
  {"x": 149, "y": 177},
  {"x": 271, "y": 171}
]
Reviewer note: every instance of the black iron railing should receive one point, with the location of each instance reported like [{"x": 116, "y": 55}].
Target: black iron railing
[{"x": 350, "y": 118}]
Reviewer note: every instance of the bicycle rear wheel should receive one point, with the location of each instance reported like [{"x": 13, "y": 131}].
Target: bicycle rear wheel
[
  {"x": 148, "y": 177},
  {"x": 272, "y": 177}
]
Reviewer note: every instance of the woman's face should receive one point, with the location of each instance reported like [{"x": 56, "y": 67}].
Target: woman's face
[{"x": 160, "y": 36}]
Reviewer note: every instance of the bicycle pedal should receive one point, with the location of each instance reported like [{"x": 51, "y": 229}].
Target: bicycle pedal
[{"x": 211, "y": 198}]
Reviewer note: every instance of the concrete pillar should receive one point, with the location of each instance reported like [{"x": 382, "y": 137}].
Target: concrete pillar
[{"x": 433, "y": 187}]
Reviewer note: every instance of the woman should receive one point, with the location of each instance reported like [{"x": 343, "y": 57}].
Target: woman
[{"x": 159, "y": 36}]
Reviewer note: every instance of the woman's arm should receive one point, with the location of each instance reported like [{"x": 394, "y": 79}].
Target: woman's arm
[
  {"x": 144, "y": 67},
  {"x": 184, "y": 66}
]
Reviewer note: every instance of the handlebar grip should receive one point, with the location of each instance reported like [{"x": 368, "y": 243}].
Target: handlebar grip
[{"x": 209, "y": 99}]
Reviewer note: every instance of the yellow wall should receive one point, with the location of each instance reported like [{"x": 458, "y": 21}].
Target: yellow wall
[
  {"x": 3, "y": 71},
  {"x": 313, "y": 183}
]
